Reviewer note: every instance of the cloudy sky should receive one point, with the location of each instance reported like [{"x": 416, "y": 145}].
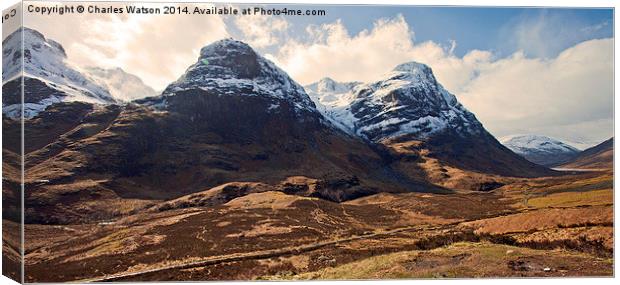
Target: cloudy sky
[{"x": 541, "y": 71}]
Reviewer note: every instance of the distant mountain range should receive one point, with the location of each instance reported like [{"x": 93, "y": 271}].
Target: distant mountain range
[{"x": 235, "y": 116}]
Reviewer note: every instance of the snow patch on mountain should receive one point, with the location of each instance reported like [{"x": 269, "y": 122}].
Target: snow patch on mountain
[
  {"x": 333, "y": 100},
  {"x": 30, "y": 109},
  {"x": 47, "y": 60}
]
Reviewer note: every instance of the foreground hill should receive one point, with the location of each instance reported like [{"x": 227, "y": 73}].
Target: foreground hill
[
  {"x": 600, "y": 156},
  {"x": 267, "y": 234}
]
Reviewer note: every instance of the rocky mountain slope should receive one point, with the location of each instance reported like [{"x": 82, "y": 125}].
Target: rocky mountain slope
[
  {"x": 600, "y": 156},
  {"x": 540, "y": 149},
  {"x": 411, "y": 114}
]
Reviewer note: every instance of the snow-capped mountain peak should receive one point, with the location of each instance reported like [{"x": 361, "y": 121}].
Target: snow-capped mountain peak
[
  {"x": 34, "y": 44},
  {"x": 519, "y": 143},
  {"x": 419, "y": 76},
  {"x": 540, "y": 149},
  {"x": 330, "y": 86},
  {"x": 407, "y": 101},
  {"x": 49, "y": 76},
  {"x": 327, "y": 85},
  {"x": 231, "y": 67},
  {"x": 419, "y": 69}
]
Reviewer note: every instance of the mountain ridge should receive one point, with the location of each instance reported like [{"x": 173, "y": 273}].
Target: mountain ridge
[
  {"x": 408, "y": 100},
  {"x": 204, "y": 131},
  {"x": 236, "y": 117},
  {"x": 600, "y": 156}
]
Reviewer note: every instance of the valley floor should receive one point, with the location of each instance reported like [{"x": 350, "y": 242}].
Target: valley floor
[{"x": 560, "y": 226}]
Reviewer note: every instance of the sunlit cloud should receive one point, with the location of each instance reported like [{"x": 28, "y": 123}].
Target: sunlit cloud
[
  {"x": 260, "y": 31},
  {"x": 552, "y": 96}
]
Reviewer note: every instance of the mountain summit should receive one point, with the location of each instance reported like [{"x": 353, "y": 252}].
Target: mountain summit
[
  {"x": 231, "y": 67},
  {"x": 410, "y": 101},
  {"x": 540, "y": 149},
  {"x": 407, "y": 101},
  {"x": 328, "y": 85},
  {"x": 333, "y": 100}
]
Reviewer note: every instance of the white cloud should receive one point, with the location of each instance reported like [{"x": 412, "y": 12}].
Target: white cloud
[
  {"x": 261, "y": 31},
  {"x": 595, "y": 28},
  {"x": 330, "y": 51},
  {"x": 549, "y": 96}
]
